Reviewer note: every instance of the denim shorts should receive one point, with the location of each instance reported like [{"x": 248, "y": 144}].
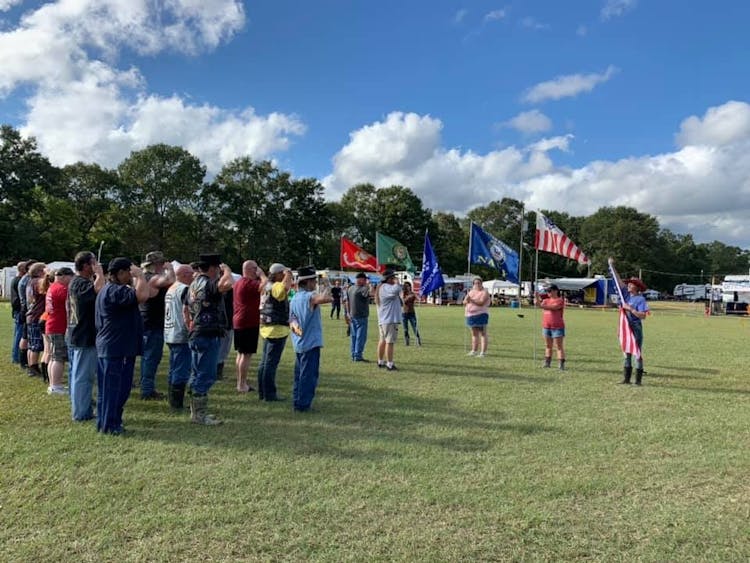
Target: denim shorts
[
  {"x": 553, "y": 332},
  {"x": 477, "y": 321}
]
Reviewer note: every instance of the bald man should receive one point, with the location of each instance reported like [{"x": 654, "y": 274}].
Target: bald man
[
  {"x": 246, "y": 319},
  {"x": 176, "y": 335}
]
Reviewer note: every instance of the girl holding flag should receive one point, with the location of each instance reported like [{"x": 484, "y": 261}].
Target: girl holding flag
[{"x": 636, "y": 309}]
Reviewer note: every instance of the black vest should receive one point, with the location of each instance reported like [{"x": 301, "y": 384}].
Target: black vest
[{"x": 273, "y": 311}]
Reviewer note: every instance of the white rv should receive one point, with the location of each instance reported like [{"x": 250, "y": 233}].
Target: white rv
[{"x": 688, "y": 292}]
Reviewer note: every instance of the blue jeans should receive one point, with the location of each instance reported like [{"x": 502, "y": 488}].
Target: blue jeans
[
  {"x": 153, "y": 348},
  {"x": 15, "y": 354},
  {"x": 204, "y": 352},
  {"x": 410, "y": 319},
  {"x": 83, "y": 372},
  {"x": 180, "y": 360},
  {"x": 272, "y": 350},
  {"x": 358, "y": 331},
  {"x": 638, "y": 335},
  {"x": 115, "y": 379},
  {"x": 306, "y": 372}
]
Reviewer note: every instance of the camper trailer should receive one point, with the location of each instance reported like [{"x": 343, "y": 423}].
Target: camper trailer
[{"x": 688, "y": 292}]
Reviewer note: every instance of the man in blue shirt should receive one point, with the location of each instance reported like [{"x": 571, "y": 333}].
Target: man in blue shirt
[
  {"x": 307, "y": 337},
  {"x": 119, "y": 339}
]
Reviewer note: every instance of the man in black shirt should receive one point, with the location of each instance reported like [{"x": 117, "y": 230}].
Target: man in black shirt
[
  {"x": 159, "y": 275},
  {"x": 81, "y": 333},
  {"x": 207, "y": 326},
  {"x": 336, "y": 295}
]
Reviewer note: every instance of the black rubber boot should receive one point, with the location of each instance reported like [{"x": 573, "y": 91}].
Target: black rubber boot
[
  {"x": 562, "y": 365},
  {"x": 24, "y": 359},
  {"x": 547, "y": 361},
  {"x": 626, "y": 374},
  {"x": 45, "y": 373},
  {"x": 638, "y": 376},
  {"x": 177, "y": 396},
  {"x": 406, "y": 339}
]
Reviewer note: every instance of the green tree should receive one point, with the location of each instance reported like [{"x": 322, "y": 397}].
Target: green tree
[
  {"x": 624, "y": 233},
  {"x": 25, "y": 176},
  {"x": 158, "y": 188},
  {"x": 451, "y": 243},
  {"x": 90, "y": 194},
  {"x": 395, "y": 211}
]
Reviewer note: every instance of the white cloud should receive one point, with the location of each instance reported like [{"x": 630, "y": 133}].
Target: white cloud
[
  {"x": 494, "y": 15},
  {"x": 720, "y": 125},
  {"x": 6, "y": 5},
  {"x": 459, "y": 16},
  {"x": 531, "y": 23},
  {"x": 703, "y": 187},
  {"x": 529, "y": 122},
  {"x": 582, "y": 31},
  {"x": 567, "y": 86},
  {"x": 616, "y": 8},
  {"x": 84, "y": 107}
]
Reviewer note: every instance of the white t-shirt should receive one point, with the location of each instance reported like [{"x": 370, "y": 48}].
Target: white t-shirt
[{"x": 389, "y": 310}]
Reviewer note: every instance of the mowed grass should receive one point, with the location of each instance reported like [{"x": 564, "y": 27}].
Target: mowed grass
[{"x": 449, "y": 459}]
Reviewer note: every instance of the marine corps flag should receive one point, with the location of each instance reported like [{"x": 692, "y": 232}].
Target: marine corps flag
[
  {"x": 354, "y": 257},
  {"x": 392, "y": 253}
]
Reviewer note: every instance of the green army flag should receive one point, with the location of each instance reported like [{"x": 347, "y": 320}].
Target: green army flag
[{"x": 390, "y": 252}]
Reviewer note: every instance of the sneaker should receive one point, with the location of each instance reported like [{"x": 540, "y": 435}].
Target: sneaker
[
  {"x": 57, "y": 390},
  {"x": 472, "y": 353},
  {"x": 481, "y": 355},
  {"x": 381, "y": 365},
  {"x": 391, "y": 367}
]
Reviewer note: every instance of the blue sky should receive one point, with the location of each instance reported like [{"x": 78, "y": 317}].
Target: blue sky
[{"x": 564, "y": 105}]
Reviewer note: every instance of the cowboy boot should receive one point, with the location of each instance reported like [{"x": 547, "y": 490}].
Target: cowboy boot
[{"x": 626, "y": 373}]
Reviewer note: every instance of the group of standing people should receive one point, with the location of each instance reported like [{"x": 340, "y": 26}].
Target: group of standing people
[{"x": 101, "y": 322}]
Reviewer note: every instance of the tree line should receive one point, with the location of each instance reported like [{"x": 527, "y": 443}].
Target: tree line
[{"x": 161, "y": 198}]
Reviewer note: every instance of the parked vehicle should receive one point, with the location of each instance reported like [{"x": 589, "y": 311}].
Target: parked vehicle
[{"x": 688, "y": 292}]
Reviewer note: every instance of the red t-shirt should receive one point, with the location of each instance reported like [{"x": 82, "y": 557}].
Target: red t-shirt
[
  {"x": 246, "y": 303},
  {"x": 54, "y": 306},
  {"x": 553, "y": 318}
]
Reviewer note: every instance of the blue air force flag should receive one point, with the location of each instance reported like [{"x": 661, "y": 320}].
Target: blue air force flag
[
  {"x": 432, "y": 275},
  {"x": 486, "y": 250}
]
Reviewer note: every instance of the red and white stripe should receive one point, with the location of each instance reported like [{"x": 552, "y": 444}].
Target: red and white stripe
[
  {"x": 549, "y": 238},
  {"x": 626, "y": 336}
]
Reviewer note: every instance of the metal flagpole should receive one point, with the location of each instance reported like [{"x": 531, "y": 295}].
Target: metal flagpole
[
  {"x": 534, "y": 289},
  {"x": 520, "y": 258},
  {"x": 468, "y": 254}
]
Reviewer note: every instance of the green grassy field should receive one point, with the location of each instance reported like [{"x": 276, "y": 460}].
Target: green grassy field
[{"x": 449, "y": 459}]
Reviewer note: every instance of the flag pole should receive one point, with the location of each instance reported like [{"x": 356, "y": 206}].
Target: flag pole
[
  {"x": 377, "y": 251},
  {"x": 536, "y": 305},
  {"x": 520, "y": 259},
  {"x": 468, "y": 254}
]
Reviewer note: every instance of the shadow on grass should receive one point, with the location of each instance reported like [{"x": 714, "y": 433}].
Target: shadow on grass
[
  {"x": 705, "y": 370},
  {"x": 350, "y": 419}
]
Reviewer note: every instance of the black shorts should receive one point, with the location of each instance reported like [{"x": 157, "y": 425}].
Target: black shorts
[{"x": 246, "y": 340}]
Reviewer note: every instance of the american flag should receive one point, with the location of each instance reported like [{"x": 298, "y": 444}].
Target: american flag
[
  {"x": 549, "y": 238},
  {"x": 626, "y": 336},
  {"x": 624, "y": 332}
]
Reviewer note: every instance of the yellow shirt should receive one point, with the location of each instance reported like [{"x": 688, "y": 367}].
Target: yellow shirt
[{"x": 278, "y": 291}]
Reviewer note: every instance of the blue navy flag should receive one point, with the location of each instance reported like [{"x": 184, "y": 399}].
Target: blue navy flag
[
  {"x": 486, "y": 250},
  {"x": 432, "y": 275}
]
